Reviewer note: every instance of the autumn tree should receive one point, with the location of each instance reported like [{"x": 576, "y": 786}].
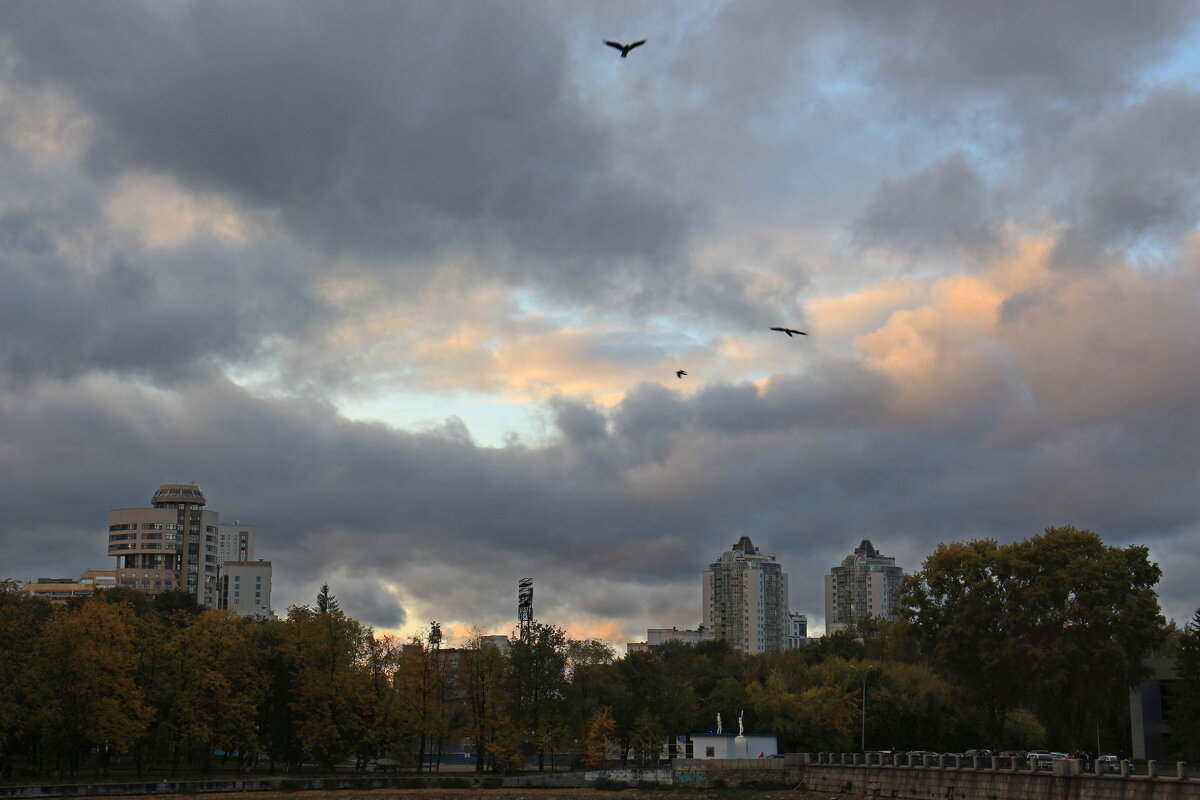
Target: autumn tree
[
  {"x": 384, "y": 727},
  {"x": 213, "y": 684},
  {"x": 421, "y": 682},
  {"x": 87, "y": 692},
  {"x": 481, "y": 679},
  {"x": 601, "y": 730}
]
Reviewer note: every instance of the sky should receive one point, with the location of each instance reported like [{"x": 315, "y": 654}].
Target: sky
[{"x": 406, "y": 286}]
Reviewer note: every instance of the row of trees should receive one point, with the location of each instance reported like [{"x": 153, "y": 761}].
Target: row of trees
[{"x": 1006, "y": 646}]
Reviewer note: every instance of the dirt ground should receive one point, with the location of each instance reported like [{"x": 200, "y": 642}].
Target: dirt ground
[{"x": 503, "y": 794}]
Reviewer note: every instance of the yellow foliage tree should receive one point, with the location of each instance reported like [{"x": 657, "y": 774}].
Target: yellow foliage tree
[{"x": 601, "y": 730}]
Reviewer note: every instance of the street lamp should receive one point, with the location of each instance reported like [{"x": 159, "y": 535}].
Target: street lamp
[{"x": 864, "y": 670}]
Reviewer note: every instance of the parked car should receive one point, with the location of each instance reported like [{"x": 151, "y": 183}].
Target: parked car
[{"x": 1111, "y": 764}]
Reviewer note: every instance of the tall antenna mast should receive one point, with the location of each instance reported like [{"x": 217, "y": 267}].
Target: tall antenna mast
[{"x": 525, "y": 607}]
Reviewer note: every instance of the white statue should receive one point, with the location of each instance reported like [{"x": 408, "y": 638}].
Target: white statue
[
  {"x": 718, "y": 722},
  {"x": 740, "y": 729}
]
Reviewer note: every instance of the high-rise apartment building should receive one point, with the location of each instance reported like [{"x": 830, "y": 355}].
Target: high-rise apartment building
[
  {"x": 171, "y": 545},
  {"x": 865, "y": 585},
  {"x": 746, "y": 599}
]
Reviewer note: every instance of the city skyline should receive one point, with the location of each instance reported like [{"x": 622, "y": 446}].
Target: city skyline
[{"x": 436, "y": 313}]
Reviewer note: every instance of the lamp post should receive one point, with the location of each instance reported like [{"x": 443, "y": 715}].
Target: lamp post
[{"x": 864, "y": 671}]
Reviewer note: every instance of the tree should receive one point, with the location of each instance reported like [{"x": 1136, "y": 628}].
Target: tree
[
  {"x": 324, "y": 652},
  {"x": 86, "y": 664},
  {"x": 537, "y": 682},
  {"x": 481, "y": 677},
  {"x": 384, "y": 727},
  {"x": 646, "y": 736},
  {"x": 21, "y": 619},
  {"x": 601, "y": 730},
  {"x": 1058, "y": 623},
  {"x": 421, "y": 682},
  {"x": 1185, "y": 712}
]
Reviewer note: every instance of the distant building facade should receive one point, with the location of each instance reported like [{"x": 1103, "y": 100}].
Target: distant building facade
[
  {"x": 1149, "y": 706},
  {"x": 866, "y": 585},
  {"x": 746, "y": 599}
]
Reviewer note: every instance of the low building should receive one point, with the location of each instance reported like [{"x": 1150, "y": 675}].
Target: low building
[
  {"x": 732, "y": 745},
  {"x": 60, "y": 590},
  {"x": 655, "y": 637}
]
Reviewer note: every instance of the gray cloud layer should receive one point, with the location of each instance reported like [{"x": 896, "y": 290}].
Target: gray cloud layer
[{"x": 705, "y": 185}]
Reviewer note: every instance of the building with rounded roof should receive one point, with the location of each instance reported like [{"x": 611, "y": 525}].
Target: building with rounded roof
[{"x": 171, "y": 545}]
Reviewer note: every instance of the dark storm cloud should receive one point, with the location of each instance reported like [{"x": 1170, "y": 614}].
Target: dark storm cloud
[
  {"x": 165, "y": 315},
  {"x": 945, "y": 207},
  {"x": 379, "y": 129}
]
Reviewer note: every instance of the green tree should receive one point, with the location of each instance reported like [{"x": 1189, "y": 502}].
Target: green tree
[
  {"x": 537, "y": 681},
  {"x": 1052, "y": 623},
  {"x": 1185, "y": 711},
  {"x": 324, "y": 651},
  {"x": 21, "y": 620}
]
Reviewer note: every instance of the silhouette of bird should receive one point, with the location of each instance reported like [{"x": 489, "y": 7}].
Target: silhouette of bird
[
  {"x": 789, "y": 331},
  {"x": 625, "y": 48},
  {"x": 679, "y": 373}
]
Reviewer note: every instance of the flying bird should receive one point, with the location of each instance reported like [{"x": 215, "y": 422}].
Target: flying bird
[
  {"x": 679, "y": 373},
  {"x": 789, "y": 331},
  {"x": 625, "y": 48}
]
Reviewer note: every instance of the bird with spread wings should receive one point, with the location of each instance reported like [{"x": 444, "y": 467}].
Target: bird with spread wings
[
  {"x": 789, "y": 331},
  {"x": 625, "y": 48}
]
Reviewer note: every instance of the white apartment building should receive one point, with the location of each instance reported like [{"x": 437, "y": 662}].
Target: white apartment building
[
  {"x": 797, "y": 630},
  {"x": 245, "y": 587},
  {"x": 864, "y": 586},
  {"x": 746, "y": 599},
  {"x": 235, "y": 542}
]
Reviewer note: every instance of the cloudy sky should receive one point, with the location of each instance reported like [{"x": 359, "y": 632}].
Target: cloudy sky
[{"x": 406, "y": 285}]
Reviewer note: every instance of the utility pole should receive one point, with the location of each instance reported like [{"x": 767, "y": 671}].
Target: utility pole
[{"x": 864, "y": 670}]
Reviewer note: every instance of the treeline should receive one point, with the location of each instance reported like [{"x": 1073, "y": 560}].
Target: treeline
[{"x": 1019, "y": 646}]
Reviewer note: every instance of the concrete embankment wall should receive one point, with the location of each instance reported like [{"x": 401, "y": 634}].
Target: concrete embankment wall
[
  {"x": 792, "y": 772},
  {"x": 950, "y": 784},
  {"x": 532, "y": 780}
]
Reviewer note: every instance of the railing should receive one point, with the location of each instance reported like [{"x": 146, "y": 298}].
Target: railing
[{"x": 1178, "y": 770}]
